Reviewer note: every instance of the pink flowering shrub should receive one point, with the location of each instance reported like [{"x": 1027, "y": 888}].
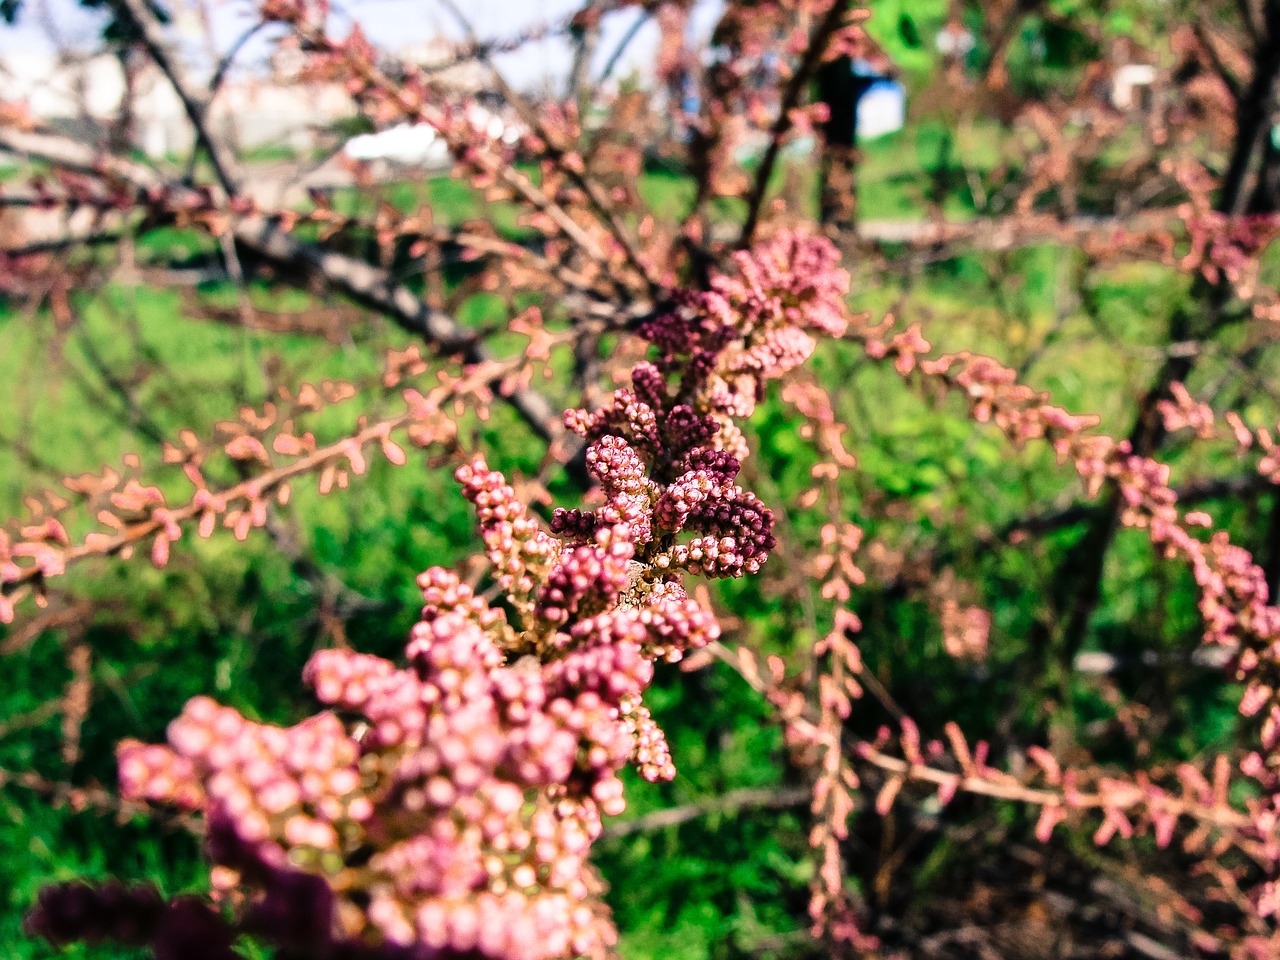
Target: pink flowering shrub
[
  {"x": 449, "y": 805},
  {"x": 952, "y": 684}
]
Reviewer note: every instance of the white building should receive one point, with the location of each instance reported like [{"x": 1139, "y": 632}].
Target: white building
[{"x": 84, "y": 94}]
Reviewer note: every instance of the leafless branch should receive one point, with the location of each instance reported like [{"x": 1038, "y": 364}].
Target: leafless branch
[
  {"x": 195, "y": 105},
  {"x": 364, "y": 283},
  {"x": 730, "y": 802},
  {"x": 795, "y": 88}
]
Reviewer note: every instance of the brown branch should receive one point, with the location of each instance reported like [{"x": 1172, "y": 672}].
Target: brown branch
[
  {"x": 1001, "y": 786},
  {"x": 1077, "y": 589},
  {"x": 196, "y": 106},
  {"x": 364, "y": 283},
  {"x": 1202, "y": 33},
  {"x": 997, "y": 234},
  {"x": 59, "y": 244},
  {"x": 413, "y": 106},
  {"x": 731, "y": 802},
  {"x": 813, "y": 54},
  {"x": 577, "y": 175},
  {"x": 1254, "y": 110},
  {"x": 1195, "y": 491},
  {"x": 94, "y": 798}
]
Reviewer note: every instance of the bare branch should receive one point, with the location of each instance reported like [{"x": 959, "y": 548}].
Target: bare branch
[
  {"x": 599, "y": 203},
  {"x": 731, "y": 802},
  {"x": 611, "y": 64},
  {"x": 196, "y": 106},
  {"x": 364, "y": 283},
  {"x": 813, "y": 55}
]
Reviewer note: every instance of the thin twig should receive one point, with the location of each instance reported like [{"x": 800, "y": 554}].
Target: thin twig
[
  {"x": 731, "y": 802},
  {"x": 194, "y": 104},
  {"x": 813, "y": 55}
]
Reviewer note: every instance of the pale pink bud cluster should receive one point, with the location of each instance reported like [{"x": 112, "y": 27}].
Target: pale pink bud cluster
[
  {"x": 43, "y": 545},
  {"x": 1228, "y": 246},
  {"x": 278, "y": 789},
  {"x": 686, "y": 485},
  {"x": 792, "y": 279},
  {"x": 444, "y": 593},
  {"x": 586, "y": 580},
  {"x": 753, "y": 325},
  {"x": 737, "y": 536},
  {"x": 694, "y": 490},
  {"x": 478, "y": 785},
  {"x": 673, "y": 622},
  {"x": 1264, "y": 438},
  {"x": 461, "y": 806},
  {"x": 966, "y": 630},
  {"x": 652, "y": 756},
  {"x": 991, "y": 389},
  {"x": 518, "y": 548},
  {"x": 1184, "y": 412}
]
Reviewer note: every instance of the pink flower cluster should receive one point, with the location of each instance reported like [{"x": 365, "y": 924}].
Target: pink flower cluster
[
  {"x": 449, "y": 806},
  {"x": 753, "y": 326},
  {"x": 1234, "y": 597},
  {"x": 666, "y": 458},
  {"x": 1184, "y": 412},
  {"x": 653, "y": 456},
  {"x": 459, "y": 810}
]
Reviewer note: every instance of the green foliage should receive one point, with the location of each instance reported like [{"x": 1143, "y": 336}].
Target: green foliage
[{"x": 906, "y": 30}]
